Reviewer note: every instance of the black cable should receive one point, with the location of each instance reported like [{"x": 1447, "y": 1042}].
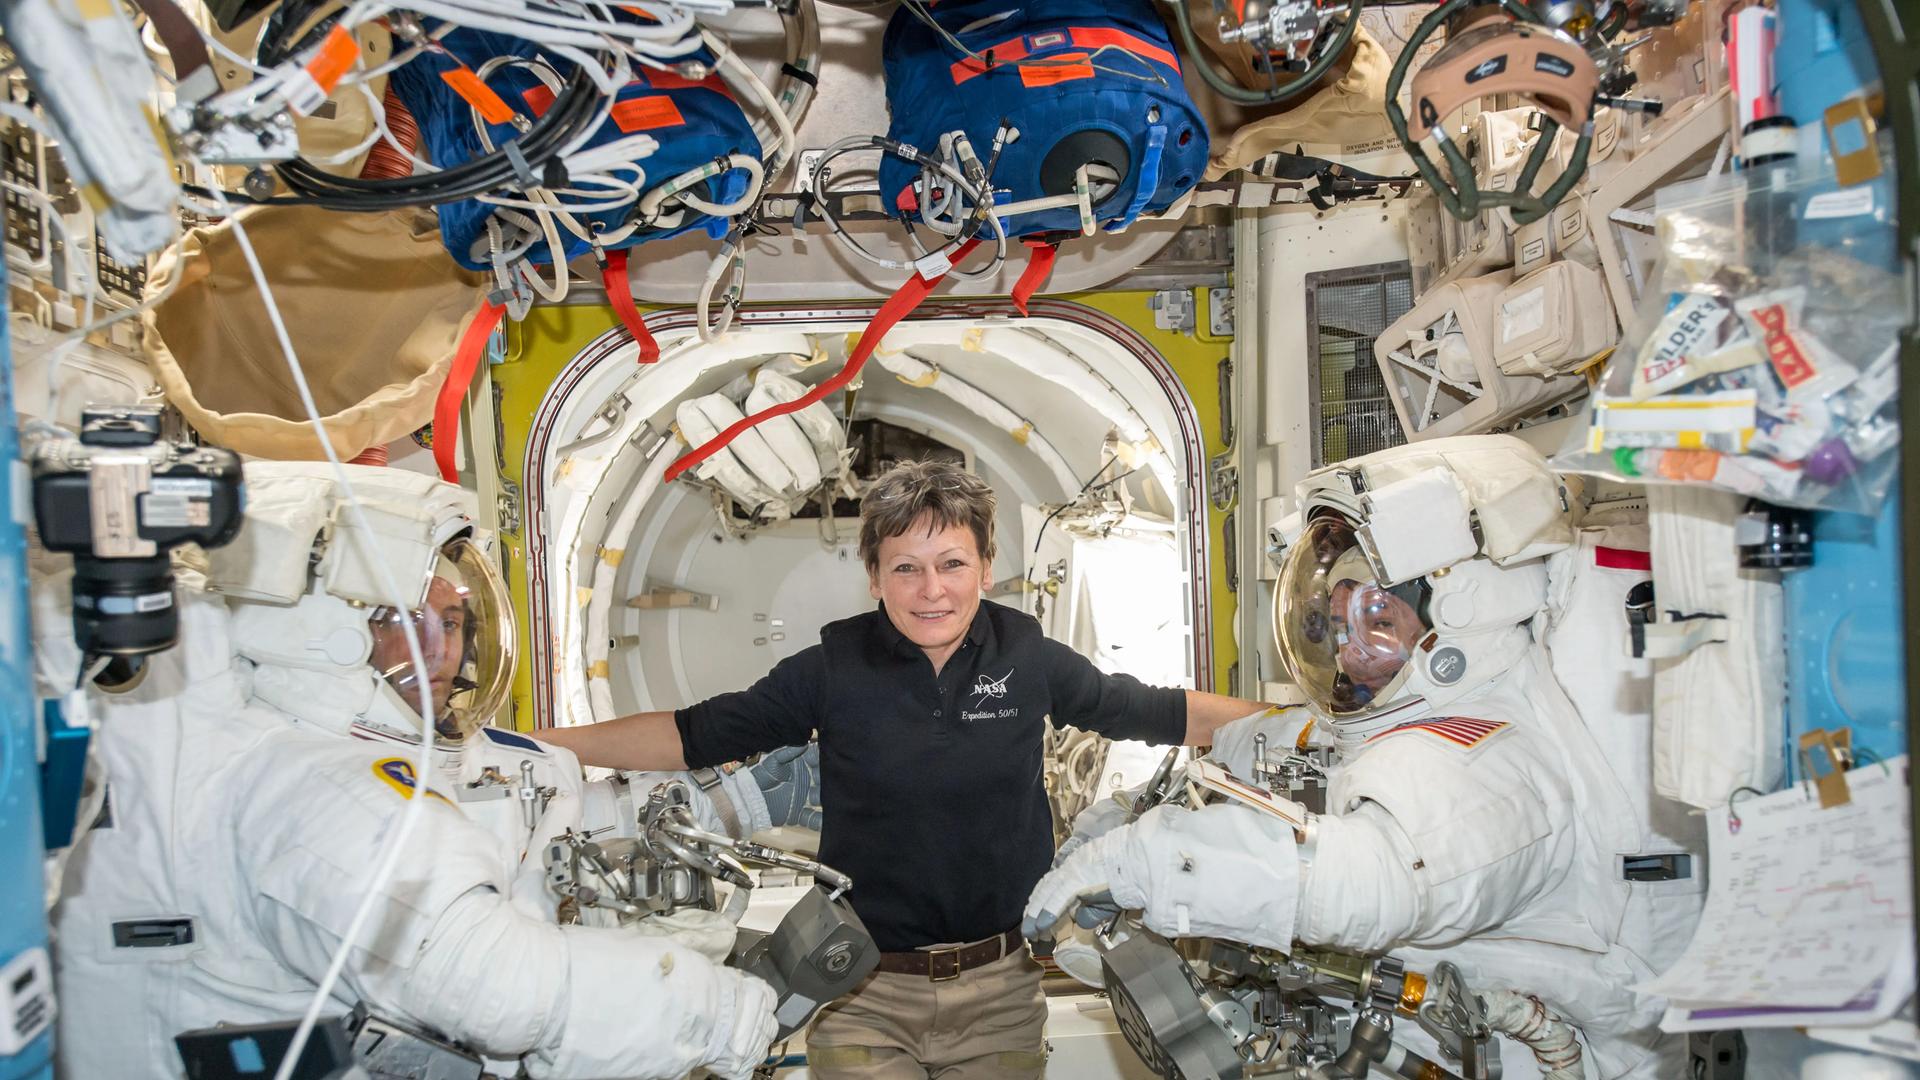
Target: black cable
[
  {"x": 1084, "y": 488},
  {"x": 573, "y": 113}
]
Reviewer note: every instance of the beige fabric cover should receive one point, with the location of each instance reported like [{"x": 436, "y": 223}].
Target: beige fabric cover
[
  {"x": 1351, "y": 110},
  {"x": 372, "y": 302}
]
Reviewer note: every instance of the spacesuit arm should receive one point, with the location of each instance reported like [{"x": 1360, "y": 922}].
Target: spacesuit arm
[
  {"x": 1230, "y": 871},
  {"x": 1220, "y": 871},
  {"x": 445, "y": 949},
  {"x": 1359, "y": 890},
  {"x": 573, "y": 1001}
]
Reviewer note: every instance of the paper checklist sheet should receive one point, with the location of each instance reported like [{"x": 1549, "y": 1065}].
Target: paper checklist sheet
[{"x": 1809, "y": 912}]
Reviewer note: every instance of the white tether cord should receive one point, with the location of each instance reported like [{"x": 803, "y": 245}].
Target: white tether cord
[{"x": 423, "y": 768}]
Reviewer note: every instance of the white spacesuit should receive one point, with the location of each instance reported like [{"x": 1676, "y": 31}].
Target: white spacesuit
[
  {"x": 1470, "y": 816},
  {"x": 241, "y": 829}
]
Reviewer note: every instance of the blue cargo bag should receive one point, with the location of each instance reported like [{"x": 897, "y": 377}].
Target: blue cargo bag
[
  {"x": 1113, "y": 95},
  {"x": 695, "y": 122}
]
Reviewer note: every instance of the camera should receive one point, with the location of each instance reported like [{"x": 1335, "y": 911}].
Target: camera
[{"x": 119, "y": 498}]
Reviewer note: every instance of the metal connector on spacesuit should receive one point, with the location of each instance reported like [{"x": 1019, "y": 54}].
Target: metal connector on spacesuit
[{"x": 1471, "y": 818}]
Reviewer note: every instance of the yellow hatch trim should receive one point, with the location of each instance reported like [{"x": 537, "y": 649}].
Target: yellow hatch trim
[{"x": 550, "y": 337}]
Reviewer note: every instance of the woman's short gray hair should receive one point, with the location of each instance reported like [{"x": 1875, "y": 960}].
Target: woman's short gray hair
[{"x": 942, "y": 492}]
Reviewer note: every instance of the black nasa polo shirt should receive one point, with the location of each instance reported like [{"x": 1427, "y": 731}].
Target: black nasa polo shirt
[{"x": 931, "y": 787}]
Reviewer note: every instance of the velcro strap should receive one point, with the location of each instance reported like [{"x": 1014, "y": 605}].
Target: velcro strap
[
  {"x": 446, "y": 407},
  {"x": 1677, "y": 635},
  {"x": 1040, "y": 258},
  {"x": 710, "y": 781},
  {"x": 521, "y": 169},
  {"x": 613, "y": 275},
  {"x": 898, "y": 306}
]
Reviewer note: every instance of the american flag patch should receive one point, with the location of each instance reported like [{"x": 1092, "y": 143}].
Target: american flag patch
[{"x": 1460, "y": 730}]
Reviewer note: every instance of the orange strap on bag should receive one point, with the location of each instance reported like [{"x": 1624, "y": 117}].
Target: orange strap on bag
[
  {"x": 897, "y": 307},
  {"x": 1040, "y": 256},
  {"x": 446, "y": 407},
  {"x": 613, "y": 275}
]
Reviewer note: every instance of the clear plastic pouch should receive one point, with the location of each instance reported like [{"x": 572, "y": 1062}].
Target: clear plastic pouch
[{"x": 1762, "y": 356}]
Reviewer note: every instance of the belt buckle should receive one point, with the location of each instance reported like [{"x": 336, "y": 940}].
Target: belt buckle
[{"x": 933, "y": 955}]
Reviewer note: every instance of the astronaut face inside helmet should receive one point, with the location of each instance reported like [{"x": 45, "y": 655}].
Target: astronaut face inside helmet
[
  {"x": 1344, "y": 636},
  {"x": 466, "y": 639}
]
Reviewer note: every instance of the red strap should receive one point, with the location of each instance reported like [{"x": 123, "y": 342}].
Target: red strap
[
  {"x": 897, "y": 307},
  {"x": 446, "y": 408},
  {"x": 1039, "y": 268},
  {"x": 1613, "y": 558},
  {"x": 613, "y": 274}
]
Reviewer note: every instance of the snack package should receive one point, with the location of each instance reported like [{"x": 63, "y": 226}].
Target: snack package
[{"x": 1762, "y": 356}]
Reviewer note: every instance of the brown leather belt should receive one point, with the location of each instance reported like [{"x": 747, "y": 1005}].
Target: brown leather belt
[{"x": 940, "y": 965}]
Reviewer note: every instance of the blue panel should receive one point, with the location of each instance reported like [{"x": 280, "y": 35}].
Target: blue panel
[
  {"x": 1843, "y": 632},
  {"x": 510, "y": 738},
  {"x": 23, "y": 923},
  {"x": 1823, "y": 56},
  {"x": 62, "y": 775}
]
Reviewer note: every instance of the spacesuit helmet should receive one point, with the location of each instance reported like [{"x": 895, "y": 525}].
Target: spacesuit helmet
[
  {"x": 321, "y": 593},
  {"x": 1359, "y": 645},
  {"x": 465, "y": 629},
  {"x": 1414, "y": 572},
  {"x": 1346, "y": 637}
]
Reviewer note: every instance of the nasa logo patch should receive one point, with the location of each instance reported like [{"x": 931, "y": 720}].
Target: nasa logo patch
[{"x": 397, "y": 773}]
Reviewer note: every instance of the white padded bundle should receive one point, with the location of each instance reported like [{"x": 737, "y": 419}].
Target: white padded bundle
[
  {"x": 1719, "y": 650},
  {"x": 775, "y": 465},
  {"x": 1553, "y": 321}
]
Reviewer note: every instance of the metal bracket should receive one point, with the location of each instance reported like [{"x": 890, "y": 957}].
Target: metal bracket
[
  {"x": 508, "y": 502},
  {"x": 1716, "y": 1055},
  {"x": 661, "y": 597},
  {"x": 1174, "y": 309},
  {"x": 1220, "y": 312},
  {"x": 1223, "y": 481}
]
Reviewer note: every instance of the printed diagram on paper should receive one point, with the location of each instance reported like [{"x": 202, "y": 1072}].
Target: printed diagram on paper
[{"x": 1806, "y": 906}]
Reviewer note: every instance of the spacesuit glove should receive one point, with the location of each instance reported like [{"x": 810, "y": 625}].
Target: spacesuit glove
[
  {"x": 1095, "y": 873},
  {"x": 753, "y": 1029},
  {"x": 1096, "y": 820},
  {"x": 789, "y": 781},
  {"x": 1219, "y": 871}
]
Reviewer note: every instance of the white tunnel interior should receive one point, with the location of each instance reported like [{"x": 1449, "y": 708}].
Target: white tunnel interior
[{"x": 1039, "y": 408}]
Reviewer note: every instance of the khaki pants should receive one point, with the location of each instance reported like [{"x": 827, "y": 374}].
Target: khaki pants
[{"x": 987, "y": 1024}]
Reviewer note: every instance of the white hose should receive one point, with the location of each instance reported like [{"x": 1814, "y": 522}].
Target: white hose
[
  {"x": 1554, "y": 1042},
  {"x": 738, "y": 73},
  {"x": 596, "y": 643}
]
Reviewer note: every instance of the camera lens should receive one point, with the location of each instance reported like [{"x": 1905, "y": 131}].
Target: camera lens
[{"x": 123, "y": 607}]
